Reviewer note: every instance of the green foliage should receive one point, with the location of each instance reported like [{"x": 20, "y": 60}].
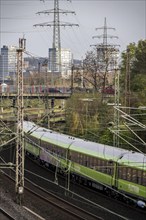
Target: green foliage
[
  {"x": 106, "y": 137},
  {"x": 87, "y": 117},
  {"x": 137, "y": 63}
]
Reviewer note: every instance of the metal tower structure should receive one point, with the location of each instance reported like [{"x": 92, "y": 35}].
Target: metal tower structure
[
  {"x": 19, "y": 187},
  {"x": 107, "y": 55},
  {"x": 116, "y": 108},
  {"x": 104, "y": 48},
  {"x": 127, "y": 82},
  {"x": 56, "y": 24},
  {"x": 105, "y": 36}
]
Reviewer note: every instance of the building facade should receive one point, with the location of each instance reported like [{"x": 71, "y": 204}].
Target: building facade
[
  {"x": 7, "y": 63},
  {"x": 66, "y": 62}
]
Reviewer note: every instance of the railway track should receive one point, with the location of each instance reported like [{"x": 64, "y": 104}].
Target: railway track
[
  {"x": 67, "y": 209},
  {"x": 100, "y": 202},
  {"x": 60, "y": 203},
  {"x": 104, "y": 207},
  {"x": 4, "y": 215}
]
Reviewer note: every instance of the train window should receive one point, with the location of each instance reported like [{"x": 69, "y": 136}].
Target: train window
[
  {"x": 108, "y": 168},
  {"x": 84, "y": 160},
  {"x": 88, "y": 161},
  {"x": 72, "y": 155},
  {"x": 134, "y": 176},
  {"x": 58, "y": 152},
  {"x": 103, "y": 166},
  {"x": 120, "y": 172},
  {"x": 144, "y": 179},
  {"x": 75, "y": 157},
  {"x": 139, "y": 177},
  {"x": 81, "y": 159},
  {"x": 99, "y": 165},
  {"x": 111, "y": 165},
  {"x": 129, "y": 174},
  {"x": 91, "y": 162},
  {"x": 95, "y": 161},
  {"x": 124, "y": 173},
  {"x": 78, "y": 158}
]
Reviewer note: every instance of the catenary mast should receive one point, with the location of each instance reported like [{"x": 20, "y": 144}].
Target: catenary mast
[{"x": 19, "y": 182}]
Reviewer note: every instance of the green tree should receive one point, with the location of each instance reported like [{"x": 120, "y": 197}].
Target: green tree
[{"x": 137, "y": 64}]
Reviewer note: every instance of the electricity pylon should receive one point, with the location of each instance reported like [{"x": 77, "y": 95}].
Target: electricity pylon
[
  {"x": 105, "y": 36},
  {"x": 56, "y": 24},
  {"x": 19, "y": 187},
  {"x": 104, "y": 49},
  {"x": 107, "y": 55}
]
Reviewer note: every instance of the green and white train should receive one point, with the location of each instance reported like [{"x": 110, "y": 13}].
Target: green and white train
[{"x": 104, "y": 167}]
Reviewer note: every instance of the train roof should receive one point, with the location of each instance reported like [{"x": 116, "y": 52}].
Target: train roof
[{"x": 103, "y": 151}]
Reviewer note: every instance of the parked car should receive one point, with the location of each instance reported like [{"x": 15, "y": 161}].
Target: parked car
[
  {"x": 51, "y": 90},
  {"x": 108, "y": 90}
]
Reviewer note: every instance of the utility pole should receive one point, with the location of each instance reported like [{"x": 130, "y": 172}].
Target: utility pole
[
  {"x": 127, "y": 82},
  {"x": 56, "y": 24},
  {"x": 72, "y": 79},
  {"x": 19, "y": 187},
  {"x": 116, "y": 112}
]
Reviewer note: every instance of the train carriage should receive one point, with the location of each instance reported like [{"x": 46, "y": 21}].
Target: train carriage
[
  {"x": 97, "y": 165},
  {"x": 131, "y": 175}
]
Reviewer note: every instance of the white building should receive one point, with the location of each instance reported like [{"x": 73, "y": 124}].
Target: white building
[
  {"x": 66, "y": 62},
  {"x": 7, "y": 62}
]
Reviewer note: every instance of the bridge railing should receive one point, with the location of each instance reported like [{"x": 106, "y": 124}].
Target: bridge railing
[{"x": 33, "y": 89}]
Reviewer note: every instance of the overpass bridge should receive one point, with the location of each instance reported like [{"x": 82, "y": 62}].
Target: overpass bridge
[
  {"x": 37, "y": 95},
  {"x": 36, "y": 91}
]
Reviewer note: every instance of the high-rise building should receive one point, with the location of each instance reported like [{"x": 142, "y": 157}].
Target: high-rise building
[
  {"x": 53, "y": 63},
  {"x": 7, "y": 62},
  {"x": 66, "y": 62}
]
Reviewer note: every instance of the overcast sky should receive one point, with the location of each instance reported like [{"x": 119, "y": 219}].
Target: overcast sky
[{"x": 18, "y": 17}]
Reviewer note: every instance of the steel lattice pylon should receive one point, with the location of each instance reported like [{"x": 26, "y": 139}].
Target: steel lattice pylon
[
  {"x": 56, "y": 37},
  {"x": 19, "y": 132},
  {"x": 56, "y": 24}
]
